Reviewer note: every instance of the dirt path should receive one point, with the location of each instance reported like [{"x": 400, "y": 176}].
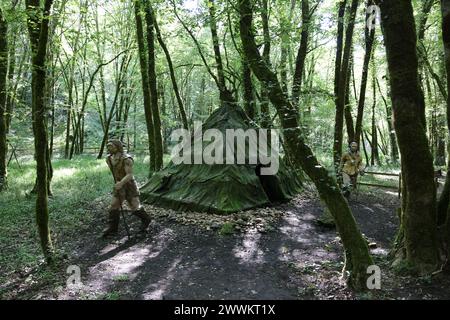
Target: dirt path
[
  {"x": 299, "y": 259},
  {"x": 186, "y": 262}
]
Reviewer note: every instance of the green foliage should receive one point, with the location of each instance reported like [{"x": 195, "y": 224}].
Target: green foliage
[
  {"x": 113, "y": 295},
  {"x": 227, "y": 229}
]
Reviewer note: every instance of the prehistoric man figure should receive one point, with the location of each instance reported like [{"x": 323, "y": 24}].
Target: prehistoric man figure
[
  {"x": 125, "y": 188},
  {"x": 351, "y": 165}
]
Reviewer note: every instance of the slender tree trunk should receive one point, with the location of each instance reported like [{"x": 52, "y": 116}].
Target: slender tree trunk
[
  {"x": 249, "y": 99},
  {"x": 356, "y": 251},
  {"x": 225, "y": 94},
  {"x": 348, "y": 107},
  {"x": 369, "y": 40},
  {"x": 341, "y": 85},
  {"x": 10, "y": 84},
  {"x": 392, "y": 137},
  {"x": 418, "y": 217},
  {"x": 3, "y": 95},
  {"x": 38, "y": 31},
  {"x": 364, "y": 147},
  {"x": 153, "y": 86},
  {"x": 375, "y": 154},
  {"x": 71, "y": 84},
  {"x": 78, "y": 123},
  {"x": 338, "y": 124},
  {"x": 301, "y": 54},
  {"x": 172, "y": 75},
  {"x": 13, "y": 83},
  {"x": 265, "y": 102},
  {"x": 119, "y": 88},
  {"x": 145, "y": 81}
]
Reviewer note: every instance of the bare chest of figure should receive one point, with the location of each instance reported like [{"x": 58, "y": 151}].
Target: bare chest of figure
[{"x": 115, "y": 160}]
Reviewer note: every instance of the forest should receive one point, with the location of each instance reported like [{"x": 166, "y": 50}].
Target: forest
[{"x": 266, "y": 149}]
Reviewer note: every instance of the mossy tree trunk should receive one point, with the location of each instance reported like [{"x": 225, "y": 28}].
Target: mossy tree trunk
[
  {"x": 301, "y": 54},
  {"x": 3, "y": 94},
  {"x": 157, "y": 135},
  {"x": 265, "y": 103},
  {"x": 418, "y": 217},
  {"x": 145, "y": 82},
  {"x": 38, "y": 24},
  {"x": 369, "y": 40},
  {"x": 356, "y": 251},
  {"x": 226, "y": 97},
  {"x": 342, "y": 76},
  {"x": 249, "y": 98}
]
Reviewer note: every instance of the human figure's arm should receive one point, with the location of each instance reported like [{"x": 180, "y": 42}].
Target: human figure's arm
[
  {"x": 128, "y": 166},
  {"x": 108, "y": 162},
  {"x": 360, "y": 166}
]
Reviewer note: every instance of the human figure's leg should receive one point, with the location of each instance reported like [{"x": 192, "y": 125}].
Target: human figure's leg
[
  {"x": 346, "y": 184},
  {"x": 354, "y": 180},
  {"x": 139, "y": 211},
  {"x": 114, "y": 216}
]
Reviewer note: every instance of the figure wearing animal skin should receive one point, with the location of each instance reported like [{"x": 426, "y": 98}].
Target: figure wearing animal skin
[{"x": 125, "y": 188}]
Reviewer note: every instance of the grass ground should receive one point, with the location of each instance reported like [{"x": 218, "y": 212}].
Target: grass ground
[{"x": 76, "y": 184}]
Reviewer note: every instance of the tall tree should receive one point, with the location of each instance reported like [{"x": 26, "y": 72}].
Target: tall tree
[
  {"x": 418, "y": 217},
  {"x": 302, "y": 53},
  {"x": 356, "y": 251},
  {"x": 265, "y": 103},
  {"x": 225, "y": 94},
  {"x": 375, "y": 159},
  {"x": 445, "y": 8},
  {"x": 369, "y": 40},
  {"x": 38, "y": 25},
  {"x": 157, "y": 135},
  {"x": 342, "y": 77},
  {"x": 443, "y": 204},
  {"x": 3, "y": 94},
  {"x": 145, "y": 81}
]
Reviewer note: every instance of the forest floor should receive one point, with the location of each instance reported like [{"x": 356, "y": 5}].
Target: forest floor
[{"x": 279, "y": 252}]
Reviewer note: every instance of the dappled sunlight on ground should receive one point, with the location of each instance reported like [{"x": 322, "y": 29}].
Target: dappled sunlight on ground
[
  {"x": 118, "y": 262},
  {"x": 156, "y": 291},
  {"x": 248, "y": 251}
]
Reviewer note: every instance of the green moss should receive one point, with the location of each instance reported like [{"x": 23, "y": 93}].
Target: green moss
[
  {"x": 226, "y": 229},
  {"x": 404, "y": 267}
]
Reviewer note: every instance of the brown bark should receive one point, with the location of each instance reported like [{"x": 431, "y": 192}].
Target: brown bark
[
  {"x": 149, "y": 15},
  {"x": 38, "y": 26},
  {"x": 369, "y": 40},
  {"x": 392, "y": 137},
  {"x": 418, "y": 218},
  {"x": 375, "y": 159},
  {"x": 265, "y": 103},
  {"x": 3, "y": 95},
  {"x": 341, "y": 82},
  {"x": 348, "y": 108},
  {"x": 249, "y": 99},
  {"x": 225, "y": 94},
  {"x": 145, "y": 81},
  {"x": 301, "y": 54}
]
